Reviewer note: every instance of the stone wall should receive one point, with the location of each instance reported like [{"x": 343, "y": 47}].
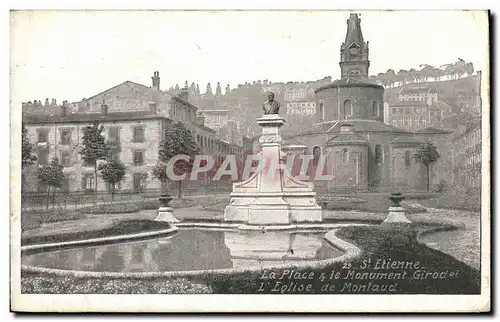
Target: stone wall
[{"x": 330, "y": 103}]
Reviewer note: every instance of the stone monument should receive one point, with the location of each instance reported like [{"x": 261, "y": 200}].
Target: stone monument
[{"x": 271, "y": 196}]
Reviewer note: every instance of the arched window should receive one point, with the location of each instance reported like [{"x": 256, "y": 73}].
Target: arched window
[
  {"x": 378, "y": 154},
  {"x": 345, "y": 156},
  {"x": 375, "y": 108},
  {"x": 407, "y": 158},
  {"x": 347, "y": 110},
  {"x": 316, "y": 154},
  {"x": 321, "y": 112}
]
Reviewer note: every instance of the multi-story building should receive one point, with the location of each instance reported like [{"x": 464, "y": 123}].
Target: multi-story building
[
  {"x": 134, "y": 118},
  {"x": 466, "y": 155},
  {"x": 413, "y": 115},
  {"x": 418, "y": 94}
]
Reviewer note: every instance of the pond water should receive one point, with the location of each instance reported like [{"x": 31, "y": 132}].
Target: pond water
[{"x": 191, "y": 249}]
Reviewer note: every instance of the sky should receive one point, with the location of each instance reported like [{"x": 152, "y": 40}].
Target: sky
[{"x": 70, "y": 55}]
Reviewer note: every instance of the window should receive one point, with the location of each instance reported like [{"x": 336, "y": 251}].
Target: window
[
  {"x": 321, "y": 112},
  {"x": 65, "y": 158},
  {"x": 139, "y": 181},
  {"x": 65, "y": 137},
  {"x": 345, "y": 156},
  {"x": 378, "y": 154},
  {"x": 407, "y": 158},
  {"x": 347, "y": 110},
  {"x": 43, "y": 136},
  {"x": 42, "y": 156},
  {"x": 316, "y": 154},
  {"x": 138, "y": 157},
  {"x": 138, "y": 134},
  {"x": 88, "y": 182},
  {"x": 114, "y": 134},
  {"x": 375, "y": 108}
]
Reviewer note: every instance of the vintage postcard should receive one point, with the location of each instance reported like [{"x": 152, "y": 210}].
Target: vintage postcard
[{"x": 216, "y": 161}]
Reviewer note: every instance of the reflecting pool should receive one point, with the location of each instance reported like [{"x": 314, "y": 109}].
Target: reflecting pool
[{"x": 191, "y": 249}]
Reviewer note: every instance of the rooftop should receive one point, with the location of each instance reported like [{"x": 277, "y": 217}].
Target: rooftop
[
  {"x": 349, "y": 82},
  {"x": 90, "y": 117},
  {"x": 359, "y": 126},
  {"x": 432, "y": 130},
  {"x": 347, "y": 138},
  {"x": 415, "y": 140}
]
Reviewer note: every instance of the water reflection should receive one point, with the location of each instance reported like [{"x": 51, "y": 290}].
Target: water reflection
[{"x": 190, "y": 249}]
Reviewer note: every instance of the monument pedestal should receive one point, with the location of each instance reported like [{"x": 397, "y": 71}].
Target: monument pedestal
[
  {"x": 271, "y": 196},
  {"x": 165, "y": 212},
  {"x": 397, "y": 216},
  {"x": 396, "y": 212}
]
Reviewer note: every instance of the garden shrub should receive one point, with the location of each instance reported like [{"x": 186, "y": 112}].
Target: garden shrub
[{"x": 111, "y": 208}]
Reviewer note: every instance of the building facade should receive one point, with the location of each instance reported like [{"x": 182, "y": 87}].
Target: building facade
[
  {"x": 466, "y": 155},
  {"x": 416, "y": 108},
  {"x": 418, "y": 94},
  {"x": 135, "y": 118}
]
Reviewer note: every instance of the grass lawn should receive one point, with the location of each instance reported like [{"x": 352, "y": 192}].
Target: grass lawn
[
  {"x": 380, "y": 242},
  {"x": 457, "y": 201}
]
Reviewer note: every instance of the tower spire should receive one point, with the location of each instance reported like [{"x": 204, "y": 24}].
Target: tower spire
[
  {"x": 354, "y": 33},
  {"x": 354, "y": 51}
]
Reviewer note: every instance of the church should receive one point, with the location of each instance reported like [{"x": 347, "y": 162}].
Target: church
[{"x": 362, "y": 153}]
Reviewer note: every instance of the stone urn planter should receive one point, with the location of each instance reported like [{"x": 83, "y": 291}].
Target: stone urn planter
[
  {"x": 396, "y": 212},
  {"x": 396, "y": 198},
  {"x": 165, "y": 212}
]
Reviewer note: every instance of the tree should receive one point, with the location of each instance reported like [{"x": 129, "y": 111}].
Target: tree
[
  {"x": 390, "y": 76},
  {"x": 94, "y": 148},
  {"x": 160, "y": 172},
  {"x": 51, "y": 175},
  {"x": 28, "y": 157},
  {"x": 402, "y": 76},
  {"x": 427, "y": 154},
  {"x": 469, "y": 69},
  {"x": 178, "y": 140},
  {"x": 112, "y": 172}
]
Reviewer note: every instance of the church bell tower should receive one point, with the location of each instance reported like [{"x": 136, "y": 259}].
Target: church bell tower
[{"x": 354, "y": 51}]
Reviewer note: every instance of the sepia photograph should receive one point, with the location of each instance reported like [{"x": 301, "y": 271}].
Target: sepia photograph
[{"x": 236, "y": 156}]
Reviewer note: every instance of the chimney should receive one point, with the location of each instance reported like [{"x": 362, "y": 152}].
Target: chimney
[
  {"x": 156, "y": 80},
  {"x": 184, "y": 94},
  {"x": 200, "y": 119},
  {"x": 64, "y": 109},
  {"x": 104, "y": 108}
]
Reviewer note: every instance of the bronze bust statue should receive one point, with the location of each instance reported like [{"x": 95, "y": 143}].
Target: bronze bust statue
[{"x": 271, "y": 106}]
